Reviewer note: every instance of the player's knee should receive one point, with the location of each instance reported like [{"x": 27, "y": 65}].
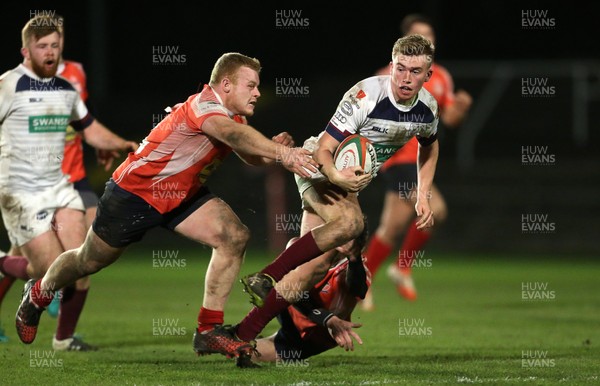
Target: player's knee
[
  {"x": 238, "y": 236},
  {"x": 349, "y": 226},
  {"x": 234, "y": 235}
]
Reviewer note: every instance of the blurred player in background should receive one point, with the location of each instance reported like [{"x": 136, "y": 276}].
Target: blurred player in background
[
  {"x": 400, "y": 174},
  {"x": 164, "y": 184},
  {"x": 73, "y": 166},
  {"x": 320, "y": 322},
  {"x": 42, "y": 212},
  {"x": 388, "y": 111}
]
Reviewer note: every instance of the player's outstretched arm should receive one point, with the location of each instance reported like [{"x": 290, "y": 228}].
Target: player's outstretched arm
[
  {"x": 245, "y": 139},
  {"x": 427, "y": 161},
  {"x": 340, "y": 330},
  {"x": 284, "y": 139},
  {"x": 100, "y": 137}
]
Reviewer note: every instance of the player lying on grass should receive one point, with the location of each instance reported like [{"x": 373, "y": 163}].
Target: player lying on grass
[
  {"x": 389, "y": 111},
  {"x": 321, "y": 320}
]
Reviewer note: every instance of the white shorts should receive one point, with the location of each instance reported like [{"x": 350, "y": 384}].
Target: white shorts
[
  {"x": 28, "y": 215},
  {"x": 316, "y": 177}
]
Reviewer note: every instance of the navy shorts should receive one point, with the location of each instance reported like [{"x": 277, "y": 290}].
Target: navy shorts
[
  {"x": 400, "y": 178},
  {"x": 289, "y": 344},
  {"x": 87, "y": 194},
  {"x": 123, "y": 218}
]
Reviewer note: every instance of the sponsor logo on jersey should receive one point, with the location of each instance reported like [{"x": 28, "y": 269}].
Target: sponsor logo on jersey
[
  {"x": 48, "y": 123},
  {"x": 41, "y": 215},
  {"x": 353, "y": 99},
  {"x": 346, "y": 108},
  {"x": 209, "y": 107},
  {"x": 341, "y": 118},
  {"x": 383, "y": 130},
  {"x": 384, "y": 151}
]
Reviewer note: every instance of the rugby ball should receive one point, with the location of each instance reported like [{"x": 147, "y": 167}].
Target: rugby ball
[{"x": 355, "y": 150}]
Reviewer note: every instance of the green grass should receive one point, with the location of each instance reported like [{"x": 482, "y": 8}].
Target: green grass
[{"x": 475, "y": 328}]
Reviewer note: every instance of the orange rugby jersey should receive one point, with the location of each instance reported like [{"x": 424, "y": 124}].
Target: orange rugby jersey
[
  {"x": 331, "y": 293},
  {"x": 72, "y": 163},
  {"x": 176, "y": 158},
  {"x": 441, "y": 86}
]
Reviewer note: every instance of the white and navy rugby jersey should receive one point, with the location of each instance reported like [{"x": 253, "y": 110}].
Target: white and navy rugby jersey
[
  {"x": 369, "y": 109},
  {"x": 34, "y": 114}
]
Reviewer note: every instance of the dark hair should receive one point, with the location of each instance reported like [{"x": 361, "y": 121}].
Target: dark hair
[{"x": 412, "y": 18}]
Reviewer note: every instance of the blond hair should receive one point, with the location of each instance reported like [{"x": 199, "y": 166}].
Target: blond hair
[
  {"x": 228, "y": 64},
  {"x": 40, "y": 26},
  {"x": 414, "y": 45}
]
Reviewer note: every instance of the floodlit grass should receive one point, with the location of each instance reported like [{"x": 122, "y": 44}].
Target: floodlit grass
[{"x": 472, "y": 323}]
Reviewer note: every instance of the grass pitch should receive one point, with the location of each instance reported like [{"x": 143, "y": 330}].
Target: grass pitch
[{"x": 478, "y": 320}]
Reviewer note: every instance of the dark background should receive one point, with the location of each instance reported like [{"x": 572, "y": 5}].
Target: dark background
[{"x": 488, "y": 188}]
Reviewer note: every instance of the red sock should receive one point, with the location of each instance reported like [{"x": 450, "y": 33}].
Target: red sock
[
  {"x": 40, "y": 298},
  {"x": 303, "y": 250},
  {"x": 208, "y": 318},
  {"x": 258, "y": 318},
  {"x": 376, "y": 253},
  {"x": 413, "y": 242},
  {"x": 15, "y": 266},
  {"x": 71, "y": 305},
  {"x": 5, "y": 284}
]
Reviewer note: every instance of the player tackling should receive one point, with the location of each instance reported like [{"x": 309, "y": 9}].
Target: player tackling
[
  {"x": 389, "y": 111},
  {"x": 164, "y": 184}
]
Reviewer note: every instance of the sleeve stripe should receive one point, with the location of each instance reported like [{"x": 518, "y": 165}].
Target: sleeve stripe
[
  {"x": 335, "y": 132},
  {"x": 83, "y": 123},
  {"x": 426, "y": 141}
]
